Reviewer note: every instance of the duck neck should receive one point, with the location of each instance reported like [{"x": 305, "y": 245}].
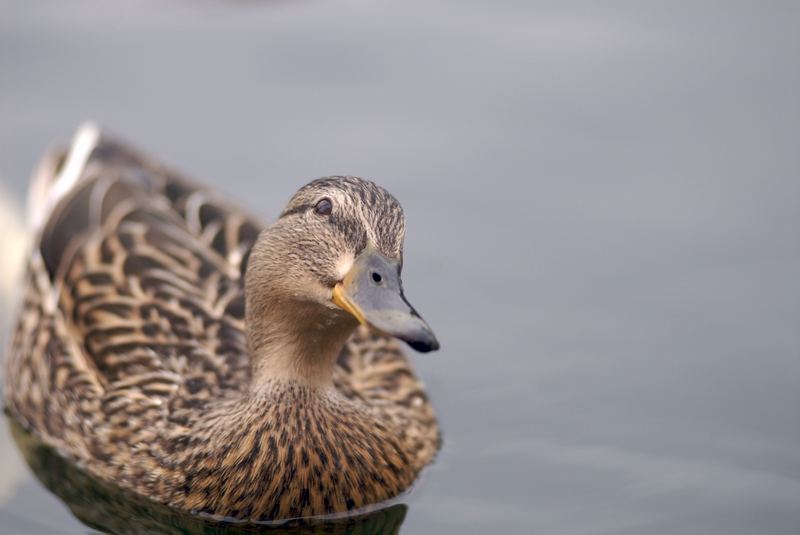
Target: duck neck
[{"x": 290, "y": 341}]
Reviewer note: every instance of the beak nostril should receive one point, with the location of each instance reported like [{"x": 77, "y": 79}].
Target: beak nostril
[{"x": 376, "y": 277}]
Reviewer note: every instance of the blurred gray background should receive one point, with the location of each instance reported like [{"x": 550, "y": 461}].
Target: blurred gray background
[{"x": 603, "y": 205}]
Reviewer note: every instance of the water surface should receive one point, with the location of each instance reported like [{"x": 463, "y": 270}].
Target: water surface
[{"x": 603, "y": 207}]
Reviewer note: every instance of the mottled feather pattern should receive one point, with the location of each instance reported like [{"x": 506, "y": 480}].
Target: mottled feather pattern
[
  {"x": 110, "y": 509},
  {"x": 130, "y": 357},
  {"x": 376, "y": 209}
]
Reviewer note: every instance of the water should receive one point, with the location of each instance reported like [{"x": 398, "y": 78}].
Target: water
[{"x": 603, "y": 205}]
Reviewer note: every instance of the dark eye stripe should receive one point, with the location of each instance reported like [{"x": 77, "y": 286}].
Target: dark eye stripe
[{"x": 296, "y": 210}]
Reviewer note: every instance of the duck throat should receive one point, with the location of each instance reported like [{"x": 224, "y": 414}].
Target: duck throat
[{"x": 295, "y": 341}]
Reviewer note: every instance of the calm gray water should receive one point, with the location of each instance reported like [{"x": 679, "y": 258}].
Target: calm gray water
[{"x": 603, "y": 204}]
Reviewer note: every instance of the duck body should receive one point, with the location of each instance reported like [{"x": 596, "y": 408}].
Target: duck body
[{"x": 138, "y": 355}]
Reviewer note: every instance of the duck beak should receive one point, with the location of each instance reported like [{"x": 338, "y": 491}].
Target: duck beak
[{"x": 373, "y": 293}]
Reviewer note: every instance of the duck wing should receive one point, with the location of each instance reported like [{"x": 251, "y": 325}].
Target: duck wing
[{"x": 135, "y": 295}]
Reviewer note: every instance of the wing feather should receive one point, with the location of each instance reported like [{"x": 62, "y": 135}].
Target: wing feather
[{"x": 143, "y": 281}]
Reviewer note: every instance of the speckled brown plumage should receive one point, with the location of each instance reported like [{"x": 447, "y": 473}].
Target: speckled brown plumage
[{"x": 133, "y": 356}]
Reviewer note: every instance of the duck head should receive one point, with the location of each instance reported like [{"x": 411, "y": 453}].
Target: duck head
[{"x": 332, "y": 260}]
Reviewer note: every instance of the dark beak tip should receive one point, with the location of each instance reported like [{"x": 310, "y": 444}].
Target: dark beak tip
[{"x": 424, "y": 346}]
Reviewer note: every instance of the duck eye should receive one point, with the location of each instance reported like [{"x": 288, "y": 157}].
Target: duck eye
[{"x": 324, "y": 207}]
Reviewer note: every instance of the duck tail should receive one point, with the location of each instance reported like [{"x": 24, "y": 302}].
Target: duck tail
[{"x": 58, "y": 173}]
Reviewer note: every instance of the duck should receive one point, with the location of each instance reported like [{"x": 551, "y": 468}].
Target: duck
[{"x": 172, "y": 345}]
